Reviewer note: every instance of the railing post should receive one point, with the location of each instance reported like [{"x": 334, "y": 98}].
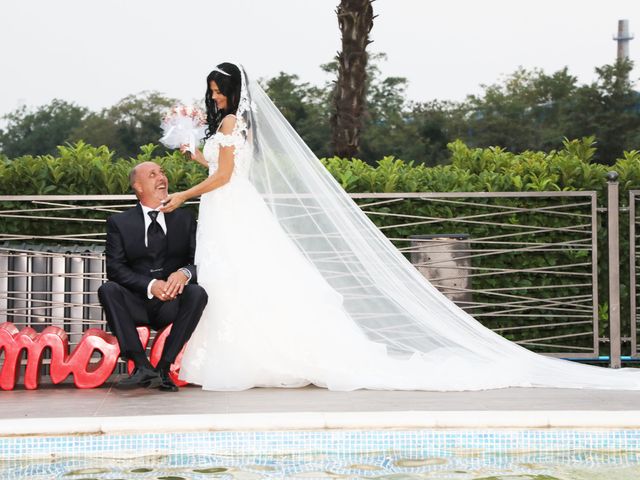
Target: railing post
[
  {"x": 613, "y": 236},
  {"x": 632, "y": 273}
]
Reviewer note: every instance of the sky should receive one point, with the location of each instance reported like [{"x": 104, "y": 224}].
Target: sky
[{"x": 95, "y": 52}]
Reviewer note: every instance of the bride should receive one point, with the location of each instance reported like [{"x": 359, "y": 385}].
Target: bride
[{"x": 305, "y": 289}]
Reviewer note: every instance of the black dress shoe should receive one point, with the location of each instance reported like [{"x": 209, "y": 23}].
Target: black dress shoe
[
  {"x": 166, "y": 384},
  {"x": 144, "y": 377}
]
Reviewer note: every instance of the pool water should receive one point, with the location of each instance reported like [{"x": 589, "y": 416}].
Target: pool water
[
  {"x": 570, "y": 465},
  {"x": 460, "y": 454}
]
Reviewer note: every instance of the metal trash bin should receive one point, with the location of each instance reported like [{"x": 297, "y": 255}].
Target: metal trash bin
[{"x": 444, "y": 260}]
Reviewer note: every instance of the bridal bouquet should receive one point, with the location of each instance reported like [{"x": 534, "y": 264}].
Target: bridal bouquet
[{"x": 183, "y": 124}]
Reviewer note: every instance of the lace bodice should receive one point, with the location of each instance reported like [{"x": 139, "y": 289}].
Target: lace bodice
[{"x": 237, "y": 139}]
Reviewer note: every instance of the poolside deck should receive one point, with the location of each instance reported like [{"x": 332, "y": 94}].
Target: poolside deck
[{"x": 64, "y": 409}]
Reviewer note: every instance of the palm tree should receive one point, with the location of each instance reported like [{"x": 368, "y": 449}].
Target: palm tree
[{"x": 355, "y": 19}]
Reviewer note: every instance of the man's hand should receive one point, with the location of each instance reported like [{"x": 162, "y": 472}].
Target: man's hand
[
  {"x": 175, "y": 284},
  {"x": 159, "y": 290}
]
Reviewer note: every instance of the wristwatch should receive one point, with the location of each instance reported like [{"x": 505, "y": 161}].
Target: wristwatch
[{"x": 187, "y": 273}]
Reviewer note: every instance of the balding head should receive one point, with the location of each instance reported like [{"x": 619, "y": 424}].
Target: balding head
[
  {"x": 132, "y": 177},
  {"x": 149, "y": 183}
]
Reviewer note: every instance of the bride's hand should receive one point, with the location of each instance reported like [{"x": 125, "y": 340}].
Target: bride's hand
[
  {"x": 194, "y": 155},
  {"x": 172, "y": 202}
]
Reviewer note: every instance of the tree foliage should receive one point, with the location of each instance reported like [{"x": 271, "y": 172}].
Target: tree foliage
[
  {"x": 40, "y": 131},
  {"x": 526, "y": 110},
  {"x": 531, "y": 110},
  {"x": 124, "y": 127},
  {"x": 305, "y": 107},
  {"x": 609, "y": 108}
]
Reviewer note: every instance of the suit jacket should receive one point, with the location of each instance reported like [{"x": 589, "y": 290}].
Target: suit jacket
[{"x": 129, "y": 261}]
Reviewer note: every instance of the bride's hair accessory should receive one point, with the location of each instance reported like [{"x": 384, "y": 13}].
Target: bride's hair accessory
[{"x": 216, "y": 69}]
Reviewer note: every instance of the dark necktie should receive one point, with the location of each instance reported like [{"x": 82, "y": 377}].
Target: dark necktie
[
  {"x": 155, "y": 234},
  {"x": 156, "y": 243}
]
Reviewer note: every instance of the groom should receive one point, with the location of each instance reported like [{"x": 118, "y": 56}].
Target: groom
[{"x": 152, "y": 279}]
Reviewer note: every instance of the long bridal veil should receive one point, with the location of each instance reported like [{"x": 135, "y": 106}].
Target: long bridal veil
[{"x": 382, "y": 292}]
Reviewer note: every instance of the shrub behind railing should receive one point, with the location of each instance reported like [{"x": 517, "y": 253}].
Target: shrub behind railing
[{"x": 86, "y": 170}]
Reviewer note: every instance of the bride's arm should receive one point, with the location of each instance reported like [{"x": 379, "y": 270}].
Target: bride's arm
[{"x": 219, "y": 178}]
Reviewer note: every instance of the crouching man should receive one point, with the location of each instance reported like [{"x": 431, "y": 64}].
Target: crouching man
[{"x": 152, "y": 278}]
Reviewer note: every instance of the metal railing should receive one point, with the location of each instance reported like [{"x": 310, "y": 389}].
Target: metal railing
[
  {"x": 49, "y": 276},
  {"x": 528, "y": 260},
  {"x": 537, "y": 249},
  {"x": 634, "y": 269}
]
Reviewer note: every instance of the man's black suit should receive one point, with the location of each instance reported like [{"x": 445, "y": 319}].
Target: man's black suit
[{"x": 131, "y": 265}]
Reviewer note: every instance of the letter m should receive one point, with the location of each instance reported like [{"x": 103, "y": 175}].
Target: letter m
[{"x": 14, "y": 342}]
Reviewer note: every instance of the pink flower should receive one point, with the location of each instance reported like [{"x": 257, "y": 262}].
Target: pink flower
[{"x": 186, "y": 111}]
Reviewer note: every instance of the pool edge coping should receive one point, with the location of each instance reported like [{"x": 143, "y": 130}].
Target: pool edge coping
[{"x": 488, "y": 419}]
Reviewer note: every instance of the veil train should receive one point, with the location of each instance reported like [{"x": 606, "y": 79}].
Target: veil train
[{"x": 382, "y": 292}]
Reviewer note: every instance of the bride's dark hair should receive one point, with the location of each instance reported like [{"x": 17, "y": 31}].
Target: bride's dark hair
[{"x": 230, "y": 86}]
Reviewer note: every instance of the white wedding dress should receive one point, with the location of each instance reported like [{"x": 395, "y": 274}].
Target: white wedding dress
[
  {"x": 304, "y": 289},
  {"x": 272, "y": 319}
]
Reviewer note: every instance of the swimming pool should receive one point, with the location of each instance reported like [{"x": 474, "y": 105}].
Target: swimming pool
[{"x": 540, "y": 454}]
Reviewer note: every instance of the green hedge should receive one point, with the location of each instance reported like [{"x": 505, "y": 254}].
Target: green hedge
[
  {"x": 490, "y": 170},
  {"x": 84, "y": 169}
]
